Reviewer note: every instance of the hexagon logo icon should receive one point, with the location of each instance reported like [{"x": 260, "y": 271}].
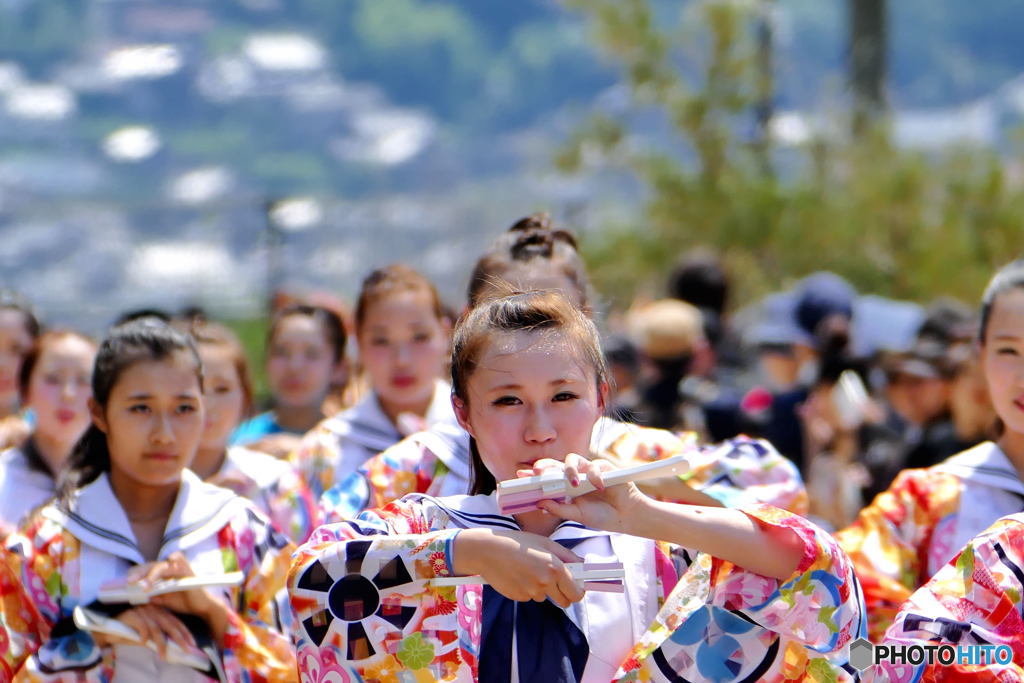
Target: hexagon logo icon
[{"x": 862, "y": 654}]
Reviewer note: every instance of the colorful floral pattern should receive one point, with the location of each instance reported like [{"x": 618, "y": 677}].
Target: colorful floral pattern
[
  {"x": 275, "y": 488},
  {"x": 975, "y": 598},
  {"x": 738, "y": 472},
  {"x": 909, "y": 531},
  {"x": 46, "y": 559},
  {"x": 714, "y": 621}
]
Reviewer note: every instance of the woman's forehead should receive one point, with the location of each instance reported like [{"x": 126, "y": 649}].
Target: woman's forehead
[{"x": 532, "y": 352}]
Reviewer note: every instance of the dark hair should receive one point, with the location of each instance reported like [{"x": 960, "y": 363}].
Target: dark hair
[
  {"x": 137, "y": 314},
  {"x": 28, "y": 363},
  {"x": 13, "y": 301},
  {"x": 1010, "y": 276},
  {"x": 531, "y": 243},
  {"x": 330, "y": 322},
  {"x": 529, "y": 311},
  {"x": 208, "y": 332},
  {"x": 700, "y": 279},
  {"x": 397, "y": 277},
  {"x": 948, "y": 321},
  {"x": 139, "y": 341}
]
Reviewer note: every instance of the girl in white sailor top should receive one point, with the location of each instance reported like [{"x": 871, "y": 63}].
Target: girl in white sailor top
[
  {"x": 19, "y": 326},
  {"x": 272, "y": 485},
  {"x": 403, "y": 336},
  {"x": 128, "y": 509},
  {"x": 533, "y": 255},
  {"x": 722, "y": 594},
  {"x": 55, "y": 384}
]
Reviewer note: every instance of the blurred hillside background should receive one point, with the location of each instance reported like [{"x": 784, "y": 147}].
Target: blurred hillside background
[{"x": 207, "y": 151}]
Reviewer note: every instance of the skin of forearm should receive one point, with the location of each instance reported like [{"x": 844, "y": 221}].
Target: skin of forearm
[
  {"x": 723, "y": 533},
  {"x": 674, "y": 488}
]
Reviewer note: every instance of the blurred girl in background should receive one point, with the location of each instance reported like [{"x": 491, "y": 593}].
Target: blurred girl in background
[
  {"x": 55, "y": 381},
  {"x": 533, "y": 255},
  {"x": 271, "y": 484},
  {"x": 403, "y": 337},
  {"x": 18, "y": 328},
  {"x": 305, "y": 352},
  {"x": 128, "y": 509},
  {"x": 912, "y": 529},
  {"x": 709, "y": 593}
]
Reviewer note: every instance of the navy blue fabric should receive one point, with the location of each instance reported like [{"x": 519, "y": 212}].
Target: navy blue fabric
[{"x": 550, "y": 646}]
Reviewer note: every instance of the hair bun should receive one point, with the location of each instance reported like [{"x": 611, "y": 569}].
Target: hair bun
[{"x": 535, "y": 221}]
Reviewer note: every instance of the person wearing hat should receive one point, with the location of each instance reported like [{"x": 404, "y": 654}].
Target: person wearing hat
[{"x": 670, "y": 337}]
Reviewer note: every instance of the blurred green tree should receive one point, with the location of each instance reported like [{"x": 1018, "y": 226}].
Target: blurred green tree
[{"x": 895, "y": 222}]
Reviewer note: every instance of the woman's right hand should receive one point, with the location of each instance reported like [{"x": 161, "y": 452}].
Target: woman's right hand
[
  {"x": 520, "y": 565},
  {"x": 154, "y": 624}
]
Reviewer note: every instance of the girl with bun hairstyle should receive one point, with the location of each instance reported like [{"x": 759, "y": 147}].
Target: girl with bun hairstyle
[
  {"x": 532, "y": 255},
  {"x": 710, "y": 593}
]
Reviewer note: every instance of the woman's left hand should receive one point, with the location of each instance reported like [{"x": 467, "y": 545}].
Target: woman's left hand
[{"x": 609, "y": 508}]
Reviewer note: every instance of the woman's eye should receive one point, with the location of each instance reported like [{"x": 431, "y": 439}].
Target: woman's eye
[
  {"x": 141, "y": 408},
  {"x": 185, "y": 408},
  {"x": 1007, "y": 351},
  {"x": 378, "y": 341},
  {"x": 505, "y": 401},
  {"x": 421, "y": 337},
  {"x": 223, "y": 389},
  {"x": 565, "y": 396}
]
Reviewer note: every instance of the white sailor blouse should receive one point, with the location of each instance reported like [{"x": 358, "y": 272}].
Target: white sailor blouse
[
  {"x": 24, "y": 486},
  {"x": 365, "y": 608},
  {"x": 61, "y": 558},
  {"x": 339, "y": 445}
]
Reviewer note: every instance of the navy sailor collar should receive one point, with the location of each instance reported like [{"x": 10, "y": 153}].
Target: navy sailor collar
[{"x": 96, "y": 518}]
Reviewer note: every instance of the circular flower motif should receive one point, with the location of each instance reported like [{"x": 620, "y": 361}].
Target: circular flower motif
[
  {"x": 320, "y": 666},
  {"x": 415, "y": 653},
  {"x": 439, "y": 564},
  {"x": 471, "y": 600}
]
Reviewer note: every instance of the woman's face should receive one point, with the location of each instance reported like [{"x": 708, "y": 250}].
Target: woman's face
[
  {"x": 153, "y": 420},
  {"x": 223, "y": 398},
  {"x": 404, "y": 348},
  {"x": 530, "y": 397},
  {"x": 300, "y": 362},
  {"x": 60, "y": 387},
  {"x": 1002, "y": 357},
  {"x": 15, "y": 341}
]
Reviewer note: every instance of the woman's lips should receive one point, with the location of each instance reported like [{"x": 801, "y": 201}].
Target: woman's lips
[
  {"x": 403, "y": 381},
  {"x": 65, "y": 416},
  {"x": 160, "y": 456}
]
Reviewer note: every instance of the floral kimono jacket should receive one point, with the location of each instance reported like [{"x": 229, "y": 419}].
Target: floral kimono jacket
[
  {"x": 341, "y": 444},
  {"x": 911, "y": 530},
  {"x": 274, "y": 487},
  {"x": 974, "y": 600},
  {"x": 737, "y": 472},
  {"x": 61, "y": 558},
  {"x": 365, "y": 608}
]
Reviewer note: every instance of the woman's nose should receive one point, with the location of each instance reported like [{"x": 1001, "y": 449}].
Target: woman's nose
[{"x": 539, "y": 427}]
